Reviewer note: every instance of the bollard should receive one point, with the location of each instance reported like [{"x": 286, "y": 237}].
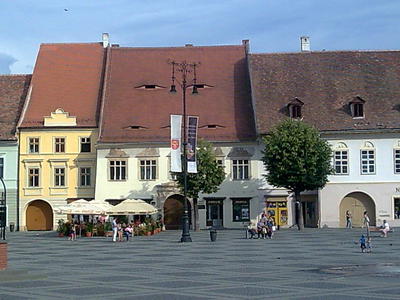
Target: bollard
[
  {"x": 12, "y": 226},
  {"x": 213, "y": 235}
]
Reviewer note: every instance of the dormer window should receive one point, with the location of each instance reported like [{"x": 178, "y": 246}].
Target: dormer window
[
  {"x": 150, "y": 87},
  {"x": 357, "y": 107},
  {"x": 294, "y": 108}
]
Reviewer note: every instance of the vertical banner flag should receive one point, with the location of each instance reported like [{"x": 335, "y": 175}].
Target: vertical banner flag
[
  {"x": 176, "y": 125},
  {"x": 192, "y": 144}
]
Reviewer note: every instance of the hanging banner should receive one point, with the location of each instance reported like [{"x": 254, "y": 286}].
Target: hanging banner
[
  {"x": 176, "y": 125},
  {"x": 192, "y": 144}
]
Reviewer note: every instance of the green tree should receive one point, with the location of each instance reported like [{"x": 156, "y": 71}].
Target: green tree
[
  {"x": 208, "y": 178},
  {"x": 297, "y": 159}
]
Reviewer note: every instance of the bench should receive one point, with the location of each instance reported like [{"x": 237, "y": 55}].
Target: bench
[{"x": 378, "y": 230}]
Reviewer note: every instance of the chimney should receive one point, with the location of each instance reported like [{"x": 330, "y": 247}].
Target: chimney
[
  {"x": 106, "y": 40},
  {"x": 246, "y": 45},
  {"x": 305, "y": 43}
]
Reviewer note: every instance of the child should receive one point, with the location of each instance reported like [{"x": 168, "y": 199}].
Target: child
[
  {"x": 362, "y": 243},
  {"x": 368, "y": 245}
]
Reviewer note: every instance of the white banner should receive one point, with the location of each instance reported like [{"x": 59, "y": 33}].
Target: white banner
[{"x": 176, "y": 125}]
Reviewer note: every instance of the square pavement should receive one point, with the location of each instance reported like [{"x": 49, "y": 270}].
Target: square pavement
[{"x": 311, "y": 264}]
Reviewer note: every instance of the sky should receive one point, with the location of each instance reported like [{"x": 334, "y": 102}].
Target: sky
[{"x": 270, "y": 25}]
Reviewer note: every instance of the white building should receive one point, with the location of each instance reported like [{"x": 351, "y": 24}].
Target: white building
[{"x": 352, "y": 98}]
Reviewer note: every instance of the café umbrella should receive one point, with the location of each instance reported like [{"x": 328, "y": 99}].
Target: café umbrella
[
  {"x": 83, "y": 207},
  {"x": 132, "y": 207}
]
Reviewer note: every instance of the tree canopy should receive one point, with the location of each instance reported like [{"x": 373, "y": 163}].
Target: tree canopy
[
  {"x": 209, "y": 175},
  {"x": 296, "y": 157}
]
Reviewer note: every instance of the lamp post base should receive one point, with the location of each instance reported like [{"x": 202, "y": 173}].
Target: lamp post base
[{"x": 185, "y": 230}]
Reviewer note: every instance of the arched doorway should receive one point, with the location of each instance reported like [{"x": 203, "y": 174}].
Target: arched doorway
[
  {"x": 357, "y": 203},
  {"x": 39, "y": 216},
  {"x": 173, "y": 211}
]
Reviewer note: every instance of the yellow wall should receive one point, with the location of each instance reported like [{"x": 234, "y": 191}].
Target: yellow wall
[{"x": 46, "y": 160}]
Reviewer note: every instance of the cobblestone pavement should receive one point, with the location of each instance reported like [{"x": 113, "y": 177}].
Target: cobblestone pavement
[{"x": 313, "y": 264}]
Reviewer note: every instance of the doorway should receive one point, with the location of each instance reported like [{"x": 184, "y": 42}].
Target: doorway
[
  {"x": 173, "y": 212},
  {"x": 215, "y": 213},
  {"x": 39, "y": 216},
  {"x": 357, "y": 203}
]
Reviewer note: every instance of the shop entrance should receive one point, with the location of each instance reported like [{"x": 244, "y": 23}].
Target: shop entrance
[
  {"x": 276, "y": 207},
  {"x": 215, "y": 213},
  {"x": 173, "y": 212},
  {"x": 310, "y": 210},
  {"x": 357, "y": 203},
  {"x": 39, "y": 216}
]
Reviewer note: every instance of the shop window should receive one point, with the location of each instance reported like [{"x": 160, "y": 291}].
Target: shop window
[
  {"x": 396, "y": 207},
  {"x": 241, "y": 210}
]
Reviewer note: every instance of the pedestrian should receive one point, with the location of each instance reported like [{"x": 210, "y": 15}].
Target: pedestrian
[
  {"x": 73, "y": 231},
  {"x": 368, "y": 245},
  {"x": 261, "y": 229},
  {"x": 366, "y": 220},
  {"x": 385, "y": 228},
  {"x": 349, "y": 223},
  {"x": 362, "y": 243},
  {"x": 115, "y": 229},
  {"x": 120, "y": 232}
]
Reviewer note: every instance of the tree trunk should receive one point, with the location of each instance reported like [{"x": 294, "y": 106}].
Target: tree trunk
[
  {"x": 299, "y": 211},
  {"x": 196, "y": 215}
]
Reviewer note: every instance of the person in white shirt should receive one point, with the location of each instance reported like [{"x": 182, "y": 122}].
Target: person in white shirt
[
  {"x": 385, "y": 228},
  {"x": 115, "y": 229}
]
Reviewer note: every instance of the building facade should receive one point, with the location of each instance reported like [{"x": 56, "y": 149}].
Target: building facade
[
  {"x": 134, "y": 144},
  {"x": 351, "y": 97},
  {"x": 58, "y": 132},
  {"x": 13, "y": 90}
]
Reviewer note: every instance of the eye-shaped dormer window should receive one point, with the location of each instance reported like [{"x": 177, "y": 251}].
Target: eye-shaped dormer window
[
  {"x": 357, "y": 107},
  {"x": 294, "y": 108}
]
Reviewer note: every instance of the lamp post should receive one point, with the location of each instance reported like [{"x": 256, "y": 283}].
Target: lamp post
[
  {"x": 3, "y": 211},
  {"x": 185, "y": 69}
]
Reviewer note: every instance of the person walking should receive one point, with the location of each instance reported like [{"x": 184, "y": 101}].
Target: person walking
[
  {"x": 362, "y": 243},
  {"x": 115, "y": 229},
  {"x": 366, "y": 220},
  {"x": 349, "y": 223}
]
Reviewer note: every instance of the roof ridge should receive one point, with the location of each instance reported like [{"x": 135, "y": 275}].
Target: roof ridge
[
  {"x": 14, "y": 75},
  {"x": 178, "y": 47},
  {"x": 323, "y": 51},
  {"x": 91, "y": 43}
]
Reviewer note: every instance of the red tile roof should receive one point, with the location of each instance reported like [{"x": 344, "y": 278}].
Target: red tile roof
[
  {"x": 326, "y": 82},
  {"x": 226, "y": 103},
  {"x": 13, "y": 91},
  {"x": 66, "y": 76}
]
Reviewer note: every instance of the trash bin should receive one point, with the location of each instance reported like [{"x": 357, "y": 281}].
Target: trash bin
[
  {"x": 12, "y": 226},
  {"x": 213, "y": 235}
]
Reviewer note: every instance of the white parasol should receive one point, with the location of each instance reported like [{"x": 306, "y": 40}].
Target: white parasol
[{"x": 132, "y": 207}]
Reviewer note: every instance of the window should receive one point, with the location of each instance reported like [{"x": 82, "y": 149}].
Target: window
[
  {"x": 367, "y": 161},
  {"x": 241, "y": 210},
  {"x": 220, "y": 162},
  {"x": 1, "y": 167},
  {"x": 294, "y": 107},
  {"x": 33, "y": 177},
  {"x": 117, "y": 170},
  {"x": 85, "y": 144},
  {"x": 148, "y": 169},
  {"x": 59, "y": 145},
  {"x": 397, "y": 161},
  {"x": 240, "y": 169},
  {"x": 341, "y": 162},
  {"x": 357, "y": 107},
  {"x": 59, "y": 176},
  {"x": 396, "y": 207},
  {"x": 33, "y": 145},
  {"x": 295, "y": 111},
  {"x": 84, "y": 176}
]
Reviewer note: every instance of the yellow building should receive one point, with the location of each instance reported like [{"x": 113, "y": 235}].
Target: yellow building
[{"x": 58, "y": 132}]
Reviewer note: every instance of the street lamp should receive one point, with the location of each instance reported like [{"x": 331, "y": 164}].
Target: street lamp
[
  {"x": 185, "y": 69},
  {"x": 3, "y": 212}
]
